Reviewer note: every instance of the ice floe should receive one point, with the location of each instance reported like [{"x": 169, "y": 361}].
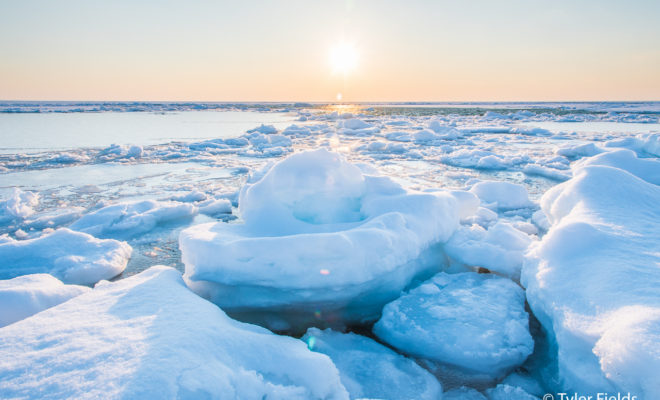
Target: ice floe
[
  {"x": 472, "y": 327},
  {"x": 18, "y": 206},
  {"x": 126, "y": 220},
  {"x": 500, "y": 195},
  {"x": 500, "y": 248},
  {"x": 320, "y": 242},
  {"x": 370, "y": 370},
  {"x": 73, "y": 257}
]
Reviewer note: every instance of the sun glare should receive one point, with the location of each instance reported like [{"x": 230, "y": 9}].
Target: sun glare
[{"x": 343, "y": 58}]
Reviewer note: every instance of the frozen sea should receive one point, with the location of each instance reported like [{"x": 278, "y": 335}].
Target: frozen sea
[
  {"x": 143, "y": 173},
  {"x": 64, "y": 151}
]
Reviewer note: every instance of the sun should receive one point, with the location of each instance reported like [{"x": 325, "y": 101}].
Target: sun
[{"x": 343, "y": 58}]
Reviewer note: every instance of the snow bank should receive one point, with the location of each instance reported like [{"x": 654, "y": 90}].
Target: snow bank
[
  {"x": 127, "y": 220},
  {"x": 29, "y": 294},
  {"x": 320, "y": 242},
  {"x": 370, "y": 370},
  {"x": 148, "y": 336},
  {"x": 473, "y": 324},
  {"x": 593, "y": 280},
  {"x": 72, "y": 257},
  {"x": 502, "y": 195},
  {"x": 500, "y": 249}
]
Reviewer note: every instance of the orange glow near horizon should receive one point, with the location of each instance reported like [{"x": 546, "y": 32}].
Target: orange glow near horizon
[{"x": 330, "y": 51}]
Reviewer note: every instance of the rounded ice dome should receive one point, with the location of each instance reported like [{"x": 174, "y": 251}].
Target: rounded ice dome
[{"x": 321, "y": 243}]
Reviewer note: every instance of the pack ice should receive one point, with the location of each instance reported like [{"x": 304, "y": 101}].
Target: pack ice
[
  {"x": 148, "y": 336},
  {"x": 72, "y": 257},
  {"x": 593, "y": 280},
  {"x": 470, "y": 327},
  {"x": 321, "y": 242}
]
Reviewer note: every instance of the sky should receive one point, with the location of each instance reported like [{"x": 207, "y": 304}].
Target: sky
[{"x": 414, "y": 50}]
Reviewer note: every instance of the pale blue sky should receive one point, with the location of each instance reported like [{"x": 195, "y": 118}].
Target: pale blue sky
[{"x": 279, "y": 50}]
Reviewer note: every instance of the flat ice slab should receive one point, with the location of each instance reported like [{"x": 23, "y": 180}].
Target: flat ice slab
[
  {"x": 321, "y": 243},
  {"x": 149, "y": 337},
  {"x": 475, "y": 323},
  {"x": 370, "y": 370},
  {"x": 72, "y": 257}
]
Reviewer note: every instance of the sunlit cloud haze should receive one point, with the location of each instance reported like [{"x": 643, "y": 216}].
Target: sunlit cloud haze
[{"x": 287, "y": 50}]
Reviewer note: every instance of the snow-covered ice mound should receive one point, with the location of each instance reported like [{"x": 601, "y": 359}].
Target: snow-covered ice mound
[
  {"x": 502, "y": 195},
  {"x": 72, "y": 257},
  {"x": 18, "y": 206},
  {"x": 127, "y": 220},
  {"x": 500, "y": 248},
  {"x": 29, "y": 294},
  {"x": 321, "y": 242},
  {"x": 472, "y": 327},
  {"x": 149, "y": 337},
  {"x": 370, "y": 370},
  {"x": 593, "y": 280}
]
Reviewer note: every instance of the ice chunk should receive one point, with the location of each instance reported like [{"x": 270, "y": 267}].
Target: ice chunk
[
  {"x": 468, "y": 203},
  {"x": 356, "y": 127},
  {"x": 644, "y": 144},
  {"x": 148, "y": 336},
  {"x": 53, "y": 219},
  {"x": 73, "y": 257},
  {"x": 531, "y": 131},
  {"x": 579, "y": 151},
  {"x": 320, "y": 242},
  {"x": 593, "y": 282},
  {"x": 126, "y": 220},
  {"x": 476, "y": 159},
  {"x": 214, "y": 207},
  {"x": 502, "y": 195},
  {"x": 506, "y": 392},
  {"x": 473, "y": 323},
  {"x": 29, "y": 294},
  {"x": 135, "y": 152},
  {"x": 19, "y": 205},
  {"x": 501, "y": 248},
  {"x": 355, "y": 123},
  {"x": 644, "y": 168},
  {"x": 190, "y": 197},
  {"x": 550, "y": 173},
  {"x": 372, "y": 371},
  {"x": 463, "y": 393},
  {"x": 264, "y": 129},
  {"x": 525, "y": 382}
]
